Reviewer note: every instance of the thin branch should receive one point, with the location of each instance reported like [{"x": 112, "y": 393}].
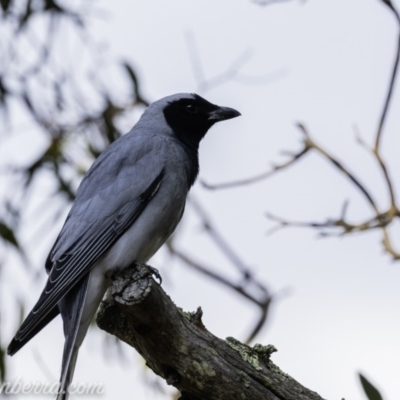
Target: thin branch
[
  {"x": 271, "y": 2},
  {"x": 242, "y": 289},
  {"x": 194, "y": 56},
  {"x": 382, "y": 164},
  {"x": 231, "y": 73},
  {"x": 385, "y": 171},
  {"x": 388, "y": 246},
  {"x": 210, "y": 272},
  {"x": 376, "y": 149},
  {"x": 260, "y": 177},
  {"x": 226, "y": 249},
  {"x": 308, "y": 145},
  {"x": 249, "y": 287},
  {"x": 259, "y": 80},
  {"x": 339, "y": 166},
  {"x": 392, "y": 78},
  {"x": 380, "y": 220},
  {"x": 346, "y": 227}
]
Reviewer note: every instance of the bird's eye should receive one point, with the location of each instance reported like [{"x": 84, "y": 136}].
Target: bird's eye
[{"x": 191, "y": 108}]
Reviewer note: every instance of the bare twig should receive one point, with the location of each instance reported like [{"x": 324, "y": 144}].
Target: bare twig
[
  {"x": 388, "y": 246},
  {"x": 388, "y": 180},
  {"x": 270, "y": 2},
  {"x": 249, "y": 287},
  {"x": 392, "y": 78},
  {"x": 260, "y": 177},
  {"x": 218, "y": 239},
  {"x": 356, "y": 181},
  {"x": 210, "y": 272},
  {"x": 380, "y": 220},
  {"x": 231, "y": 73},
  {"x": 242, "y": 289},
  {"x": 376, "y": 154}
]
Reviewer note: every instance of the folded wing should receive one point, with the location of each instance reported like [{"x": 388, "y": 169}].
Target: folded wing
[{"x": 111, "y": 197}]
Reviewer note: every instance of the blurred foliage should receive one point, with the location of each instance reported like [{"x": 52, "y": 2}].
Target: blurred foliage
[
  {"x": 68, "y": 102},
  {"x": 7, "y": 234},
  {"x": 370, "y": 390}
]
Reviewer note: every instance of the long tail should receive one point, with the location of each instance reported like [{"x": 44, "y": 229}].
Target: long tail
[
  {"x": 16, "y": 344},
  {"x": 71, "y": 307}
]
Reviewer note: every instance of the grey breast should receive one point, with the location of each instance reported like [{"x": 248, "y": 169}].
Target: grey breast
[{"x": 162, "y": 215}]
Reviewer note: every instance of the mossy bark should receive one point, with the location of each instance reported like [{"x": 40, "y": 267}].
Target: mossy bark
[{"x": 177, "y": 346}]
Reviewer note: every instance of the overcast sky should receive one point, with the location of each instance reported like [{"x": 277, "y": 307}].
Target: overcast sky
[{"x": 327, "y": 64}]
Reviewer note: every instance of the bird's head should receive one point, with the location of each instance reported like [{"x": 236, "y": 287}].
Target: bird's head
[{"x": 190, "y": 116}]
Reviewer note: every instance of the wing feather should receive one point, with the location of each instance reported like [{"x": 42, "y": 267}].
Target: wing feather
[{"x": 105, "y": 207}]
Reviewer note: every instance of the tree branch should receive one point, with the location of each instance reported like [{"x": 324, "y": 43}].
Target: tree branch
[
  {"x": 231, "y": 74},
  {"x": 248, "y": 286},
  {"x": 177, "y": 346},
  {"x": 392, "y": 78},
  {"x": 270, "y": 2},
  {"x": 245, "y": 289},
  {"x": 330, "y": 226},
  {"x": 260, "y": 177}
]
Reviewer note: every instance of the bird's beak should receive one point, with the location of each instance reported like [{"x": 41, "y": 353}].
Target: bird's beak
[{"x": 222, "y": 114}]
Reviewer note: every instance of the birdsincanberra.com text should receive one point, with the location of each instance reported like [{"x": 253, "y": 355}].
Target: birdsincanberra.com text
[{"x": 49, "y": 388}]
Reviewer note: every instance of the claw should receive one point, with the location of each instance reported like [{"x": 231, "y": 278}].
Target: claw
[{"x": 155, "y": 272}]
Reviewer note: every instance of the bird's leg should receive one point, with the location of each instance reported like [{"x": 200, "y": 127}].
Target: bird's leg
[{"x": 152, "y": 271}]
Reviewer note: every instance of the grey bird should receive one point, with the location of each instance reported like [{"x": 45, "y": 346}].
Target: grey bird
[{"x": 128, "y": 204}]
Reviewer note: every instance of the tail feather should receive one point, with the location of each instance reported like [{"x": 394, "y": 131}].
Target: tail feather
[
  {"x": 71, "y": 307},
  {"x": 16, "y": 344},
  {"x": 68, "y": 373}
]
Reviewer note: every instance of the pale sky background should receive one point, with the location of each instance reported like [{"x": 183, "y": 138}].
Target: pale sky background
[{"x": 342, "y": 312}]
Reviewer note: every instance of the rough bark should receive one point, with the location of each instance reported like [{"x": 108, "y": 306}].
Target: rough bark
[{"x": 177, "y": 346}]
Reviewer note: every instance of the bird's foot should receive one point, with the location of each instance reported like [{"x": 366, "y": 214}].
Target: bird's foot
[{"x": 153, "y": 271}]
